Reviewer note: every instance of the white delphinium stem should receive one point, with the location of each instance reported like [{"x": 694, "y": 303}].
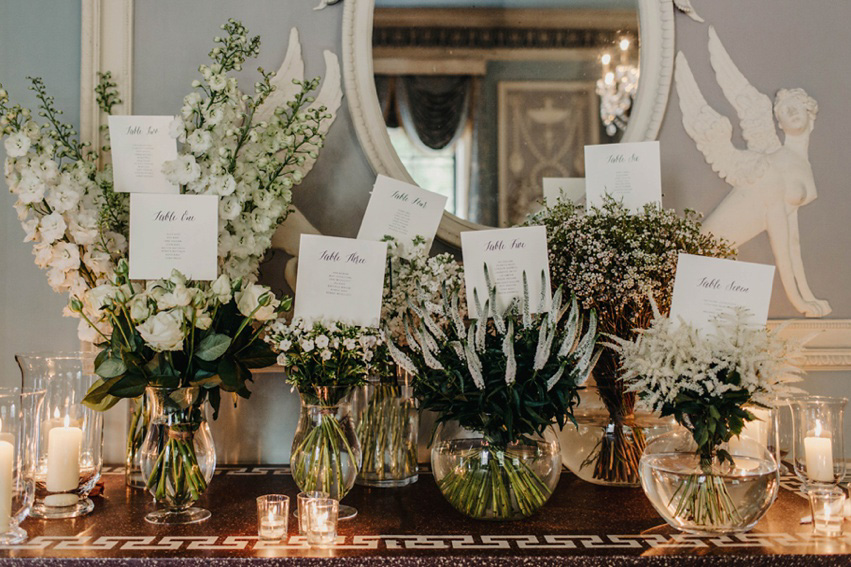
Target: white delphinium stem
[{"x": 555, "y": 378}]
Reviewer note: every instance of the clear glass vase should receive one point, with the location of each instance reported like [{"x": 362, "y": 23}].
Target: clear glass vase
[
  {"x": 326, "y": 453},
  {"x": 387, "y": 425},
  {"x": 69, "y": 441},
  {"x": 487, "y": 482},
  {"x": 20, "y": 414},
  {"x": 602, "y": 451},
  {"x": 138, "y": 418},
  {"x": 708, "y": 498},
  {"x": 178, "y": 457}
]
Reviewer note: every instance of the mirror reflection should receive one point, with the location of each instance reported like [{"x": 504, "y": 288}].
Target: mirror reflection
[{"x": 483, "y": 99}]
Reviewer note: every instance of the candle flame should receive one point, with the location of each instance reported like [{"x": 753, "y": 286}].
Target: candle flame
[
  {"x": 818, "y": 429},
  {"x": 610, "y": 78},
  {"x": 606, "y": 59},
  {"x": 624, "y": 44},
  {"x": 67, "y": 420},
  {"x": 56, "y": 413}
]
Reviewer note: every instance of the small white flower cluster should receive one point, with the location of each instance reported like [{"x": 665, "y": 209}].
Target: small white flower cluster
[
  {"x": 165, "y": 312},
  {"x": 671, "y": 357},
  {"x": 306, "y": 345},
  {"x": 419, "y": 279}
]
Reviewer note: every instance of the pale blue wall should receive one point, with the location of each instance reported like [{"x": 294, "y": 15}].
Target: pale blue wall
[{"x": 41, "y": 38}]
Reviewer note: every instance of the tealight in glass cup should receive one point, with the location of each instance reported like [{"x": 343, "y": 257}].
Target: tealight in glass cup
[
  {"x": 301, "y": 513},
  {"x": 828, "y": 507},
  {"x": 321, "y": 521},
  {"x": 272, "y": 516}
]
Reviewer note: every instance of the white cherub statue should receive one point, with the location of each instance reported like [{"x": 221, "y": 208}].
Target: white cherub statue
[{"x": 770, "y": 180}]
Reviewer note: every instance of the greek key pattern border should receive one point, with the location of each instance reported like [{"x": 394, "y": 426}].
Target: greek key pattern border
[{"x": 553, "y": 542}]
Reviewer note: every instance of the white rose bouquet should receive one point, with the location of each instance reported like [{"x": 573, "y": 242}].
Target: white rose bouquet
[
  {"x": 324, "y": 360},
  {"x": 247, "y": 149}
]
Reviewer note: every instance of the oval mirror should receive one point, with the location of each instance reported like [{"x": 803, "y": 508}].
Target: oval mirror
[{"x": 481, "y": 99}]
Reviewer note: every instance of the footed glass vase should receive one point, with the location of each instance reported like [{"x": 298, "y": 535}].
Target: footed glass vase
[
  {"x": 708, "y": 498},
  {"x": 178, "y": 457},
  {"x": 489, "y": 482},
  {"x": 387, "y": 425},
  {"x": 326, "y": 454}
]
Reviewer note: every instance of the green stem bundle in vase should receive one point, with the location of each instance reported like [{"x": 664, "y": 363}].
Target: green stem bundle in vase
[
  {"x": 706, "y": 380},
  {"x": 617, "y": 261},
  {"x": 497, "y": 383}
]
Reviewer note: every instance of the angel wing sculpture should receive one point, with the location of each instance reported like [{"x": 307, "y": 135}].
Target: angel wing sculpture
[
  {"x": 330, "y": 95},
  {"x": 770, "y": 180}
]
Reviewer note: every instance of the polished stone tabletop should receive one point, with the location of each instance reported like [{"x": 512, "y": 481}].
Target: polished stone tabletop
[{"x": 582, "y": 524}]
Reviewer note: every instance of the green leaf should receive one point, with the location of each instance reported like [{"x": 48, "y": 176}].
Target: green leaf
[
  {"x": 228, "y": 372},
  {"x": 111, "y": 368},
  {"x": 98, "y": 397},
  {"x": 132, "y": 385},
  {"x": 258, "y": 355},
  {"x": 212, "y": 347}
]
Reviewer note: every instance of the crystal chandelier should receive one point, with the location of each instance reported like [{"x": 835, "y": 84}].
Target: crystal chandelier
[{"x": 617, "y": 89}]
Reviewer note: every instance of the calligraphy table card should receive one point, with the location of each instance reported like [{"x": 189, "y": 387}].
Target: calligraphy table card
[
  {"x": 563, "y": 188},
  {"x": 706, "y": 287},
  {"x": 174, "y": 232},
  {"x": 340, "y": 279},
  {"x": 140, "y": 147},
  {"x": 401, "y": 210},
  {"x": 629, "y": 173},
  {"x": 508, "y": 253}
]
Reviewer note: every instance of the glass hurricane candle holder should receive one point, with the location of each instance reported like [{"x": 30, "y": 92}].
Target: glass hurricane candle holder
[
  {"x": 818, "y": 446},
  {"x": 758, "y": 434},
  {"x": 321, "y": 521},
  {"x": 68, "y": 438},
  {"x": 828, "y": 507},
  {"x": 272, "y": 516},
  {"x": 19, "y": 414},
  {"x": 301, "y": 512}
]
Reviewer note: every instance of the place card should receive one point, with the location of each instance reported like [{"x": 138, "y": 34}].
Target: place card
[
  {"x": 401, "y": 210},
  {"x": 629, "y": 173},
  {"x": 706, "y": 287},
  {"x": 174, "y": 232},
  {"x": 340, "y": 279},
  {"x": 508, "y": 253},
  {"x": 564, "y": 189},
  {"x": 140, "y": 147}
]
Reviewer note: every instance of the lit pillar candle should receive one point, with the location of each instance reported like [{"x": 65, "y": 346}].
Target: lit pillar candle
[
  {"x": 272, "y": 527},
  {"x": 63, "y": 457},
  {"x": 818, "y": 451},
  {"x": 7, "y": 468}
]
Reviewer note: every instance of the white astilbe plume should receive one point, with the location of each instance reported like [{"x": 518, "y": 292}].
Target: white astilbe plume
[
  {"x": 555, "y": 378},
  {"x": 671, "y": 357},
  {"x": 474, "y": 365},
  {"x": 508, "y": 351}
]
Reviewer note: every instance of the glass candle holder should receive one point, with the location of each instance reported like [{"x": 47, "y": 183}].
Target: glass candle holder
[
  {"x": 301, "y": 513},
  {"x": 321, "y": 520},
  {"x": 828, "y": 507},
  {"x": 68, "y": 438},
  {"x": 19, "y": 413},
  {"x": 818, "y": 446},
  {"x": 272, "y": 516}
]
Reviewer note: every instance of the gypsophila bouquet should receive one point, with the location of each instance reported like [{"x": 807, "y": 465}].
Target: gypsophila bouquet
[
  {"x": 705, "y": 381},
  {"x": 325, "y": 360},
  {"x": 616, "y": 260},
  {"x": 508, "y": 375}
]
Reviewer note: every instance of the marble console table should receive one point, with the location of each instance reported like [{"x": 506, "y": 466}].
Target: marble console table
[{"x": 581, "y": 525}]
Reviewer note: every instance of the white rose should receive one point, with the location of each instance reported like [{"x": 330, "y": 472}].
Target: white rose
[
  {"x": 199, "y": 141},
  {"x": 181, "y": 296},
  {"x": 163, "y": 331},
  {"x": 65, "y": 256},
  {"x": 203, "y": 320},
  {"x": 89, "y": 334},
  {"x": 17, "y": 145},
  {"x": 139, "y": 308},
  {"x": 221, "y": 289},
  {"x": 248, "y": 300},
  {"x": 229, "y": 207},
  {"x": 52, "y": 227}
]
